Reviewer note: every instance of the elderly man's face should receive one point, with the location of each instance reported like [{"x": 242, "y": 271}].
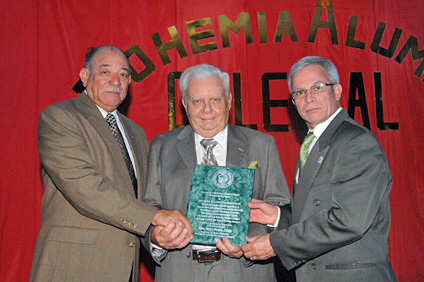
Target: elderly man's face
[
  {"x": 107, "y": 83},
  {"x": 207, "y": 108},
  {"x": 315, "y": 108}
]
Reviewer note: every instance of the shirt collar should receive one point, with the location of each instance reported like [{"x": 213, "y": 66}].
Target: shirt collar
[
  {"x": 103, "y": 112},
  {"x": 221, "y": 137},
  {"x": 320, "y": 128}
]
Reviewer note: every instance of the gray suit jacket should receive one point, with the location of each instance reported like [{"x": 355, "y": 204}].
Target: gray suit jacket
[
  {"x": 90, "y": 216},
  {"x": 340, "y": 209},
  {"x": 171, "y": 162}
]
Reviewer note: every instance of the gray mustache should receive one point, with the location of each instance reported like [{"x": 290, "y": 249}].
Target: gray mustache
[{"x": 114, "y": 89}]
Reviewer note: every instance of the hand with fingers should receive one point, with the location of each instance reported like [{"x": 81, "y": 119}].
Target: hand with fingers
[
  {"x": 258, "y": 248},
  {"x": 172, "y": 236},
  {"x": 227, "y": 248}
]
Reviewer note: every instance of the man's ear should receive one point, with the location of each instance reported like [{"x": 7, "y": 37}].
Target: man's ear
[
  {"x": 84, "y": 74},
  {"x": 337, "y": 91},
  {"x": 229, "y": 102},
  {"x": 184, "y": 105}
]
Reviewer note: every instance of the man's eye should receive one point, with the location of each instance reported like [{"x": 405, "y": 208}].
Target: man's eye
[
  {"x": 299, "y": 92},
  {"x": 124, "y": 74},
  {"x": 105, "y": 72},
  {"x": 317, "y": 87}
]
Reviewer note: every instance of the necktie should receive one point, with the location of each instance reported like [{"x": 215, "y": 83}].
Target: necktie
[
  {"x": 208, "y": 157},
  {"x": 111, "y": 121},
  {"x": 304, "y": 149}
]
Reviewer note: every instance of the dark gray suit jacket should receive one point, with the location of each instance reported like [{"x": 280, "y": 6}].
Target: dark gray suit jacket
[
  {"x": 90, "y": 216},
  {"x": 340, "y": 209},
  {"x": 171, "y": 162}
]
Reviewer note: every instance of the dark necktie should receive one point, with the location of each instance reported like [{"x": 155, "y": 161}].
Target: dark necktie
[
  {"x": 304, "y": 149},
  {"x": 111, "y": 121},
  {"x": 208, "y": 157}
]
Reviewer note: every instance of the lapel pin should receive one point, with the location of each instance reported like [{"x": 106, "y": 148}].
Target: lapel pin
[{"x": 320, "y": 159}]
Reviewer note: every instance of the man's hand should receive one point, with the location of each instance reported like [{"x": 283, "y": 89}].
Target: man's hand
[
  {"x": 164, "y": 217},
  {"x": 172, "y": 236},
  {"x": 262, "y": 212},
  {"x": 227, "y": 248},
  {"x": 258, "y": 248}
]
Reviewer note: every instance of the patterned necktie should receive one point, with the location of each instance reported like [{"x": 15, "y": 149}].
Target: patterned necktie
[
  {"x": 111, "y": 121},
  {"x": 208, "y": 157},
  {"x": 304, "y": 149}
]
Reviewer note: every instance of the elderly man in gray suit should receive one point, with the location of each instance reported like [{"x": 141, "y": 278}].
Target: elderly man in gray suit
[
  {"x": 207, "y": 101},
  {"x": 94, "y": 177},
  {"x": 340, "y": 202}
]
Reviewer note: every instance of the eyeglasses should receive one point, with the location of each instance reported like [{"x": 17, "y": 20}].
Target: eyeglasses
[{"x": 317, "y": 88}]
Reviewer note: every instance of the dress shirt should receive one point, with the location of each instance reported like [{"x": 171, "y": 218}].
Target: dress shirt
[
  {"x": 121, "y": 128},
  {"x": 318, "y": 131}
]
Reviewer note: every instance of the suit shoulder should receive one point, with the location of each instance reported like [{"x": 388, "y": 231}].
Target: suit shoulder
[
  {"x": 59, "y": 111},
  {"x": 61, "y": 106},
  {"x": 169, "y": 136},
  {"x": 350, "y": 129}
]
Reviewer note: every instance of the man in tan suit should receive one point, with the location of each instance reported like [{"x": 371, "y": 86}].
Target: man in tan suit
[{"x": 92, "y": 211}]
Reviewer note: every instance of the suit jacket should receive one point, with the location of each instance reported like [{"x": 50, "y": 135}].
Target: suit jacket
[
  {"x": 340, "y": 209},
  {"x": 90, "y": 216},
  {"x": 171, "y": 162}
]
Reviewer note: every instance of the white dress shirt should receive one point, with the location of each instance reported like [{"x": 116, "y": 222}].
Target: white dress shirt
[
  {"x": 318, "y": 131},
  {"x": 121, "y": 128}
]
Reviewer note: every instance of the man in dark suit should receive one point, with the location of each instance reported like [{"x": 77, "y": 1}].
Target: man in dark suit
[
  {"x": 340, "y": 203},
  {"x": 92, "y": 211},
  {"x": 207, "y": 101}
]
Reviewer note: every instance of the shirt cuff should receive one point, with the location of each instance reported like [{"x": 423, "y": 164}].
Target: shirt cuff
[{"x": 278, "y": 220}]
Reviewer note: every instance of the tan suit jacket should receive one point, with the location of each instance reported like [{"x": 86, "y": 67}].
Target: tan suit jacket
[{"x": 90, "y": 216}]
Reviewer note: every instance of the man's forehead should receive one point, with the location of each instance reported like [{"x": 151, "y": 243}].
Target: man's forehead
[
  {"x": 217, "y": 95},
  {"x": 310, "y": 75},
  {"x": 105, "y": 58},
  {"x": 106, "y": 65}
]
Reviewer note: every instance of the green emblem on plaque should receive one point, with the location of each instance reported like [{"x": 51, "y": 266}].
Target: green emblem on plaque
[
  {"x": 217, "y": 205},
  {"x": 222, "y": 178}
]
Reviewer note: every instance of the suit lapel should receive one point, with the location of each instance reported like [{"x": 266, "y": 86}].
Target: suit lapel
[
  {"x": 186, "y": 147},
  {"x": 93, "y": 115},
  {"x": 137, "y": 151},
  {"x": 312, "y": 166},
  {"x": 237, "y": 146}
]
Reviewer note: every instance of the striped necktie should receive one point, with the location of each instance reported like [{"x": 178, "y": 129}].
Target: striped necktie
[{"x": 208, "y": 157}]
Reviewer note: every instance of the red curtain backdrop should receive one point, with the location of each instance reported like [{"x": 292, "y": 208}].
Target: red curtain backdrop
[{"x": 377, "y": 45}]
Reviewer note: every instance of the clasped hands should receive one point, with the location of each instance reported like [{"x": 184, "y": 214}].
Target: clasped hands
[{"x": 173, "y": 231}]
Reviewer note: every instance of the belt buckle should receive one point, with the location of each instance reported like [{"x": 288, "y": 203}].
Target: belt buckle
[{"x": 215, "y": 256}]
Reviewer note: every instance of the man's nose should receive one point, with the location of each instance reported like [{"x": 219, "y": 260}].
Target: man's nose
[
  {"x": 114, "y": 79},
  {"x": 309, "y": 97},
  {"x": 207, "y": 108}
]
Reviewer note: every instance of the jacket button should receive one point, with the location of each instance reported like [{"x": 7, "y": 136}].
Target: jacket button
[
  {"x": 131, "y": 244},
  {"x": 313, "y": 266},
  {"x": 317, "y": 202},
  {"x": 188, "y": 254}
]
